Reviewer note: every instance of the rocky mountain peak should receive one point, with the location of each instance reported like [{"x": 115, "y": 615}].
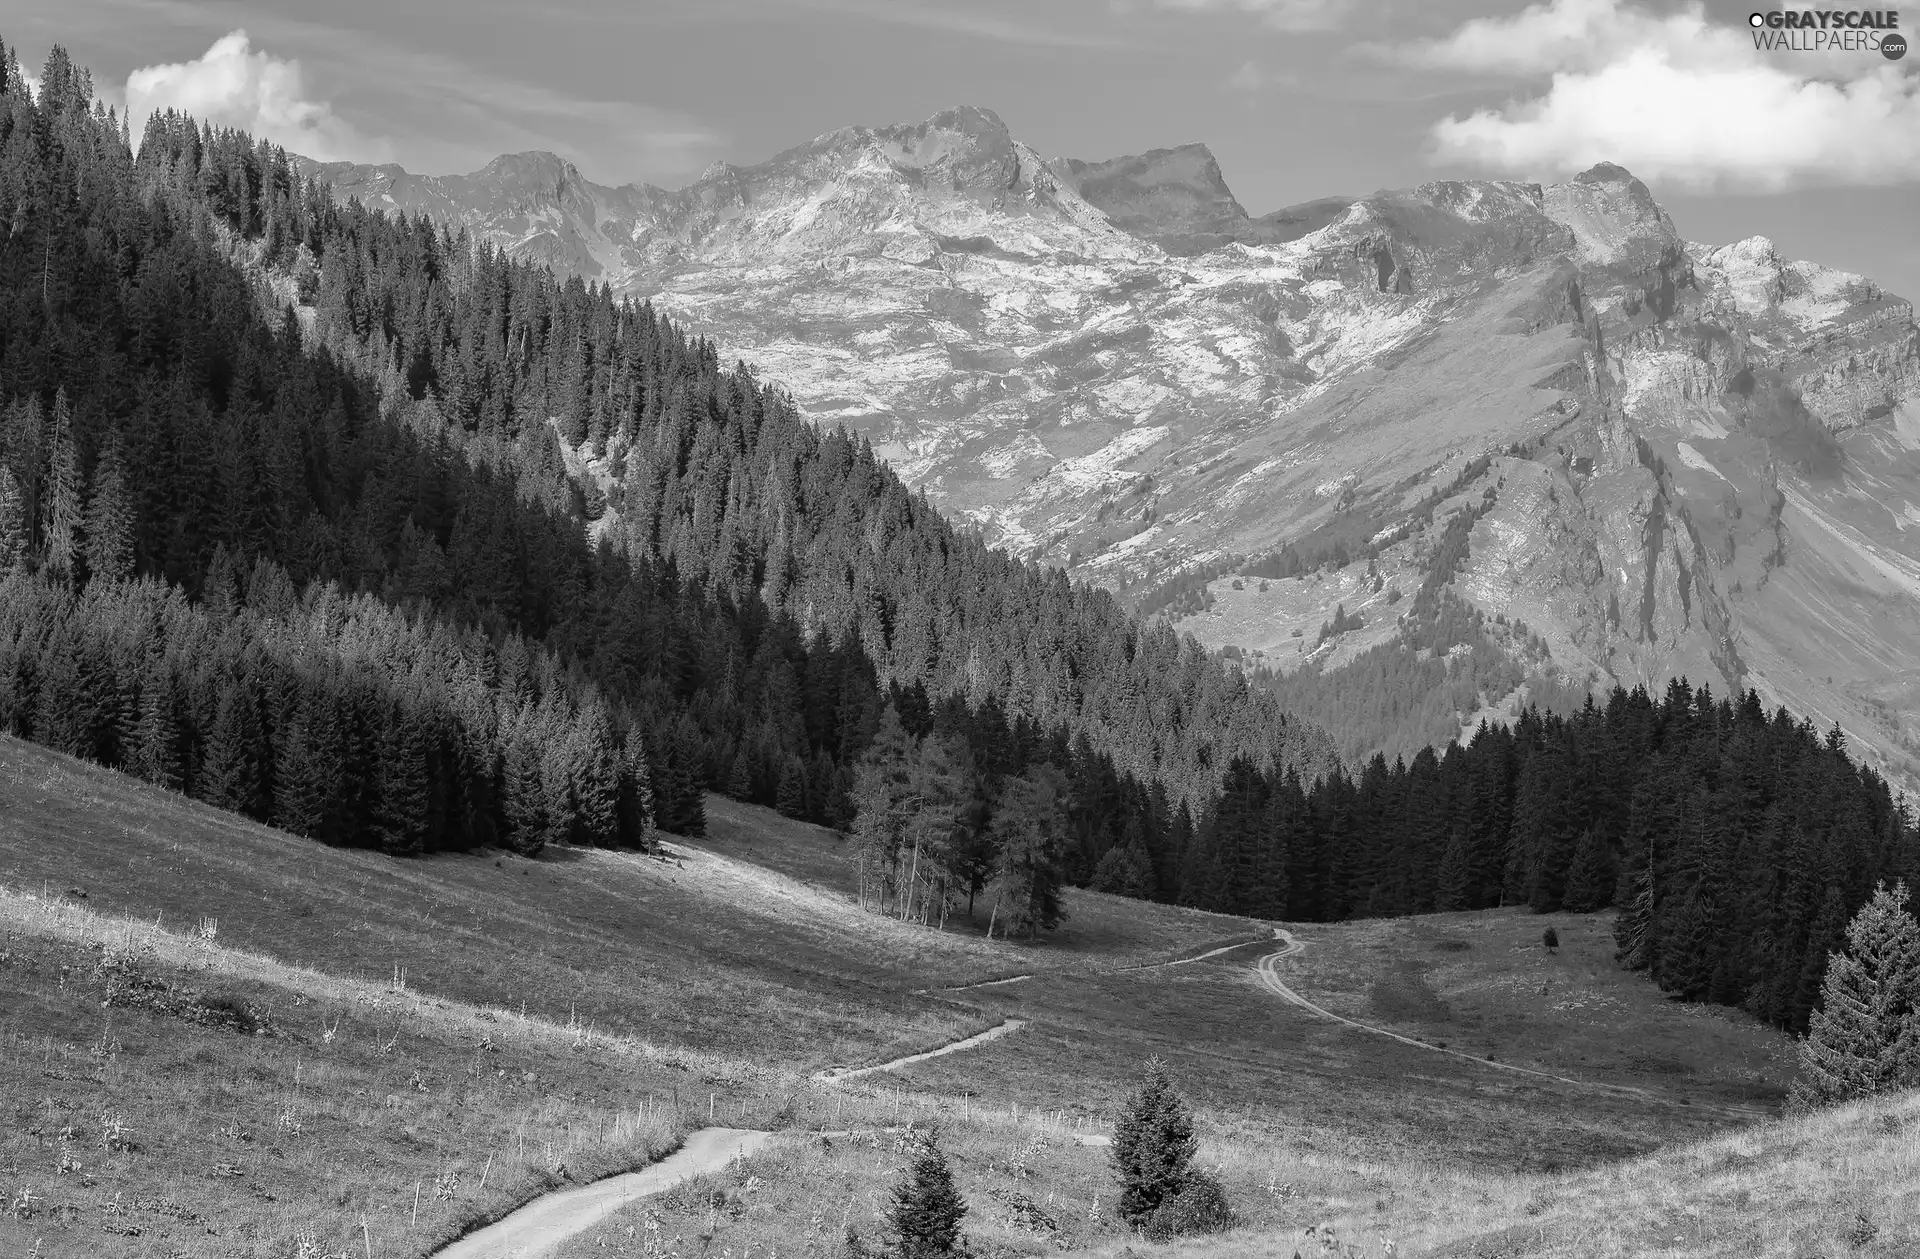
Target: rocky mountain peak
[
  {"x": 1615, "y": 221},
  {"x": 1176, "y": 197},
  {"x": 533, "y": 166}
]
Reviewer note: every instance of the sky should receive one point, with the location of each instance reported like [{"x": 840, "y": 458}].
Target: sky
[{"x": 1819, "y": 150}]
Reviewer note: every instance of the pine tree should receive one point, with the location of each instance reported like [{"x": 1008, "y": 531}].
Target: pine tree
[
  {"x": 1865, "y": 1037},
  {"x": 1030, "y": 825},
  {"x": 791, "y": 798},
  {"x": 1453, "y": 888},
  {"x": 222, "y": 594},
  {"x": 231, "y": 776},
  {"x": 927, "y": 1208},
  {"x": 61, "y": 505},
  {"x": 155, "y": 755},
  {"x": 1125, "y": 870},
  {"x": 1590, "y": 880},
  {"x": 401, "y": 788},
  {"x": 523, "y": 795},
  {"x": 13, "y": 523},
  {"x": 1153, "y": 1146},
  {"x": 637, "y": 810},
  {"x": 110, "y": 523}
]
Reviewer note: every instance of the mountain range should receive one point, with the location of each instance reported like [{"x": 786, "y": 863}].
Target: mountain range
[{"x": 1681, "y": 459}]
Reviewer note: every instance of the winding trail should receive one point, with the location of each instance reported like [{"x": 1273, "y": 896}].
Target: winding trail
[
  {"x": 985, "y": 983},
  {"x": 833, "y": 1075},
  {"x": 1269, "y": 972},
  {"x": 544, "y": 1223},
  {"x": 1200, "y": 957},
  {"x": 1016, "y": 979}
]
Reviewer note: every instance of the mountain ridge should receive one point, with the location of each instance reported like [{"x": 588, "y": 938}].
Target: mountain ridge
[{"x": 1700, "y": 459}]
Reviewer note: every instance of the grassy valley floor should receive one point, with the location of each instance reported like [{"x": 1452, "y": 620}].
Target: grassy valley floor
[{"x": 221, "y": 1040}]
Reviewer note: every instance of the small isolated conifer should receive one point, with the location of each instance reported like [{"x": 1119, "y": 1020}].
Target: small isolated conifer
[
  {"x": 927, "y": 1208},
  {"x": 1865, "y": 1037},
  {"x": 1153, "y": 1146}
]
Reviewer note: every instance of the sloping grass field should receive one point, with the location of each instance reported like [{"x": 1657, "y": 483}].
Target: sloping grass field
[{"x": 216, "y": 1039}]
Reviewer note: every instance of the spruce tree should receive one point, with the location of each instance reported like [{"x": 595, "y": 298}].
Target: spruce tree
[
  {"x": 1125, "y": 870},
  {"x": 791, "y": 799},
  {"x": 1153, "y": 1146},
  {"x": 110, "y": 522},
  {"x": 927, "y": 1208},
  {"x": 522, "y": 792},
  {"x": 1865, "y": 1037},
  {"x": 155, "y": 751},
  {"x": 1590, "y": 881},
  {"x": 637, "y": 809},
  {"x": 1453, "y": 880},
  {"x": 13, "y": 523},
  {"x": 231, "y": 775},
  {"x": 62, "y": 501},
  {"x": 1030, "y": 824}
]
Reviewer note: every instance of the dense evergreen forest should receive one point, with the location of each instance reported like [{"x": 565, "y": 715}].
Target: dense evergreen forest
[
  {"x": 202, "y": 355},
  {"x": 1737, "y": 844},
  {"x": 356, "y": 527}
]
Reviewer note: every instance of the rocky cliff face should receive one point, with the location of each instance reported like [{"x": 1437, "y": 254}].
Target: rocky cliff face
[{"x": 1701, "y": 460}]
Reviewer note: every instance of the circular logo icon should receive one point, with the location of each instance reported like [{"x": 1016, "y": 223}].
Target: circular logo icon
[
  {"x": 1894, "y": 46},
  {"x": 1756, "y": 20}
]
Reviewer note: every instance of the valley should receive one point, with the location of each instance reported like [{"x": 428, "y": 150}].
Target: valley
[
  {"x": 454, "y": 1018},
  {"x": 603, "y": 720}
]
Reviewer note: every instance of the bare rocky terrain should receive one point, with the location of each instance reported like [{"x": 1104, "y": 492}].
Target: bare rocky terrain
[{"x": 1702, "y": 459}]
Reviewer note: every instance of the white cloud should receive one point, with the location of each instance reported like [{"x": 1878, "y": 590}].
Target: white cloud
[
  {"x": 1251, "y": 79},
  {"x": 232, "y": 85},
  {"x": 1284, "y": 15},
  {"x": 1674, "y": 98}
]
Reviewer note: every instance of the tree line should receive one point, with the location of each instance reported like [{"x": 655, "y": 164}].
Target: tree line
[
  {"x": 1735, "y": 842},
  {"x": 333, "y": 716}
]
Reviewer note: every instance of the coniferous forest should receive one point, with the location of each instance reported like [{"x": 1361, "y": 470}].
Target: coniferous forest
[{"x": 359, "y": 528}]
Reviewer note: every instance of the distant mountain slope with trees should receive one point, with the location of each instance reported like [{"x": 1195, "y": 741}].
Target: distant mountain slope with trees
[
  {"x": 346, "y": 523},
  {"x": 201, "y": 355}
]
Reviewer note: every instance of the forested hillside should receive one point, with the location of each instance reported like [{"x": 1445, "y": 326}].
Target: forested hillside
[
  {"x": 201, "y": 355},
  {"x": 1736, "y": 844}
]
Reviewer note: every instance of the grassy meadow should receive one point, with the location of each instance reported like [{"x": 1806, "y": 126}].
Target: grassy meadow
[{"x": 220, "y": 1040}]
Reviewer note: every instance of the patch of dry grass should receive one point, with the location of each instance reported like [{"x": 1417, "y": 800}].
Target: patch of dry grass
[
  {"x": 435, "y": 1021},
  {"x": 707, "y": 947},
  {"x": 166, "y": 1094},
  {"x": 1844, "y": 1182},
  {"x": 1483, "y": 983}
]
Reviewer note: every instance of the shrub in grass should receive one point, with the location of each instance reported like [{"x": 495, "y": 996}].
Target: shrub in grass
[
  {"x": 1550, "y": 938},
  {"x": 1199, "y": 1207},
  {"x": 927, "y": 1208}
]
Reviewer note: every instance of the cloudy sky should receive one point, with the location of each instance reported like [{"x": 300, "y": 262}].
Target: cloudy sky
[{"x": 1297, "y": 98}]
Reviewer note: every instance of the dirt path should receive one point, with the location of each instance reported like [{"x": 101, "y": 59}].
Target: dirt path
[
  {"x": 1017, "y": 979},
  {"x": 985, "y": 983},
  {"x": 1200, "y": 957},
  {"x": 1270, "y": 976},
  {"x": 834, "y": 1075},
  {"x": 544, "y": 1223}
]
